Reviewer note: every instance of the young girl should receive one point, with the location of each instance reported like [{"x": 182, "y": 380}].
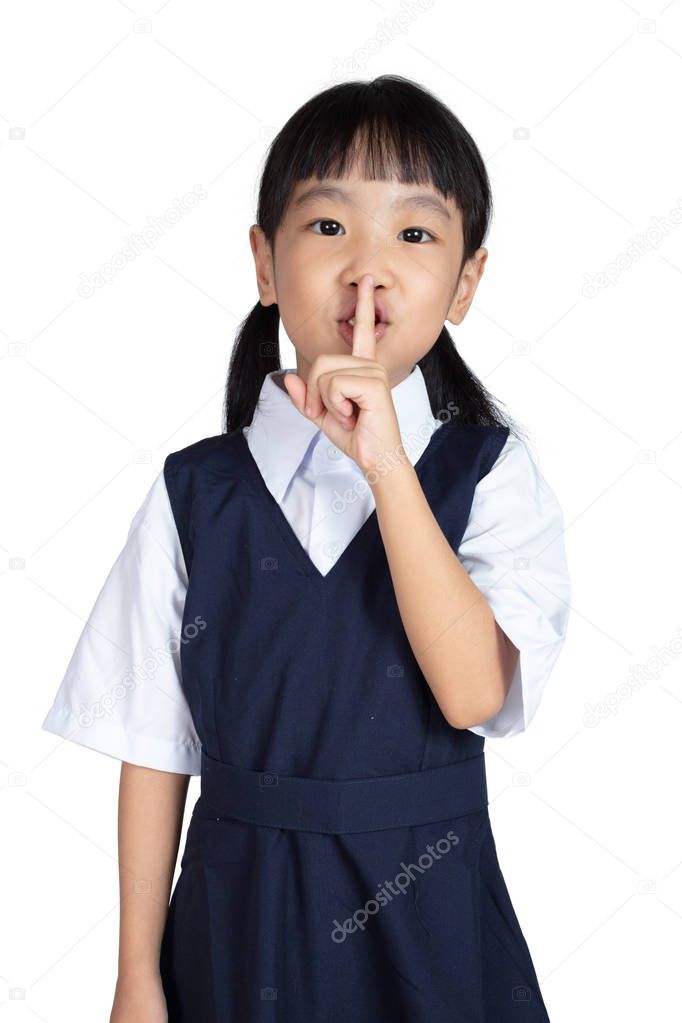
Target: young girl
[{"x": 325, "y": 609}]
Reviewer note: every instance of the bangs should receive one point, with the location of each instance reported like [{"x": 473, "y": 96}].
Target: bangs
[
  {"x": 374, "y": 143},
  {"x": 389, "y": 129}
]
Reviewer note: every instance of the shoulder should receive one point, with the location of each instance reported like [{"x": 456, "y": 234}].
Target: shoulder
[
  {"x": 515, "y": 504},
  {"x": 477, "y": 445},
  {"x": 209, "y": 454},
  {"x": 516, "y": 469},
  {"x": 190, "y": 475}
]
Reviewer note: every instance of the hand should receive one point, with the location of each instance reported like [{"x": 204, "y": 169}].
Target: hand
[
  {"x": 139, "y": 1000},
  {"x": 338, "y": 385}
]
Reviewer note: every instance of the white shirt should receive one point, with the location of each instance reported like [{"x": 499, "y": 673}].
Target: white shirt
[{"x": 122, "y": 692}]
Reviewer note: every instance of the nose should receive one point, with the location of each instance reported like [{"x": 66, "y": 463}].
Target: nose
[
  {"x": 369, "y": 249},
  {"x": 352, "y": 278}
]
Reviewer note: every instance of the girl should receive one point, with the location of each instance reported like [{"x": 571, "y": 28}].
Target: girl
[{"x": 325, "y": 609}]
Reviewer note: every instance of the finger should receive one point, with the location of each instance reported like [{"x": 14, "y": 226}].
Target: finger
[
  {"x": 317, "y": 373},
  {"x": 337, "y": 390},
  {"x": 315, "y": 401},
  {"x": 296, "y": 389},
  {"x": 364, "y": 341},
  {"x": 333, "y": 398},
  {"x": 314, "y": 405},
  {"x": 361, "y": 388}
]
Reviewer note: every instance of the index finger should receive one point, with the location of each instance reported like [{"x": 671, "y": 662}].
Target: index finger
[{"x": 364, "y": 340}]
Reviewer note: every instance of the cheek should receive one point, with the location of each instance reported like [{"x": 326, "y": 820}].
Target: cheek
[
  {"x": 306, "y": 320},
  {"x": 307, "y": 297},
  {"x": 440, "y": 292},
  {"x": 428, "y": 307}
]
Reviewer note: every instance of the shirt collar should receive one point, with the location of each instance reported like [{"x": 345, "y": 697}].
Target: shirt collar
[{"x": 279, "y": 436}]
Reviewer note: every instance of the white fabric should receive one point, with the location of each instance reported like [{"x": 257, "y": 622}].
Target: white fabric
[
  {"x": 122, "y": 693},
  {"x": 513, "y": 549}
]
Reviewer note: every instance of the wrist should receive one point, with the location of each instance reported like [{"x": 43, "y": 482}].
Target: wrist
[
  {"x": 138, "y": 970},
  {"x": 389, "y": 478}
]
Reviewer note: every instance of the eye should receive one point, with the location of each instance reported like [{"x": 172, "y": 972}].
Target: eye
[
  {"x": 417, "y": 230},
  {"x": 334, "y": 223}
]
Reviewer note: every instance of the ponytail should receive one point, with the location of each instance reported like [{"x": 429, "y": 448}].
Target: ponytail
[{"x": 254, "y": 355}]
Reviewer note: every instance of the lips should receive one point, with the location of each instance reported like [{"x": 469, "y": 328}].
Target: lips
[
  {"x": 349, "y": 312},
  {"x": 347, "y": 331}
]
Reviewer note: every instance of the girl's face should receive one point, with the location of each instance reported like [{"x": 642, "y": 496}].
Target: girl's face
[{"x": 336, "y": 230}]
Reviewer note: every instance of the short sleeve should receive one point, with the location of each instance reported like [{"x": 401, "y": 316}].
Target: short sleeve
[
  {"x": 513, "y": 549},
  {"x": 122, "y": 692}
]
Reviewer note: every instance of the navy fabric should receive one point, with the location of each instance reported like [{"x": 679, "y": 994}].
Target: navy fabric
[
  {"x": 342, "y": 807},
  {"x": 339, "y": 863}
]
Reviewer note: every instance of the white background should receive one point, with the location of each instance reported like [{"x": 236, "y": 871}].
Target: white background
[{"x": 575, "y": 110}]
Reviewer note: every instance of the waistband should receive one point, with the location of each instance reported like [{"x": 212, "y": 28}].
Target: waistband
[{"x": 338, "y": 807}]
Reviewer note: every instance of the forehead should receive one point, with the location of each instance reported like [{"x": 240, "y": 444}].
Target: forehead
[{"x": 392, "y": 195}]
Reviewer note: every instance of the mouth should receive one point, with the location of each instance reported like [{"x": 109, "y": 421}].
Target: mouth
[
  {"x": 347, "y": 323},
  {"x": 346, "y": 330}
]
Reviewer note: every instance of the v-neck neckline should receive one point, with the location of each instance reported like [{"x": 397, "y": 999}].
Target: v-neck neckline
[{"x": 368, "y": 527}]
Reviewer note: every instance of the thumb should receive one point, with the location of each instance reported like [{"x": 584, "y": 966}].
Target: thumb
[
  {"x": 298, "y": 392},
  {"x": 296, "y": 389}
]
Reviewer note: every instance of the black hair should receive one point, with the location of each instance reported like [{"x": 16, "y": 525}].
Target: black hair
[{"x": 394, "y": 129}]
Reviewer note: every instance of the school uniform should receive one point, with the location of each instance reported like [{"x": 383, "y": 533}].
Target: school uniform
[{"x": 339, "y": 863}]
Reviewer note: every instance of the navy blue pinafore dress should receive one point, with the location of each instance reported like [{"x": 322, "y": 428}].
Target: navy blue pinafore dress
[{"x": 339, "y": 865}]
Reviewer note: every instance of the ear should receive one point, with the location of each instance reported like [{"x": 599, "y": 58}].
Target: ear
[
  {"x": 262, "y": 256},
  {"x": 471, "y": 274}
]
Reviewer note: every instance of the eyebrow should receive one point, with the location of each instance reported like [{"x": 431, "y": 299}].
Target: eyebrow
[{"x": 419, "y": 200}]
